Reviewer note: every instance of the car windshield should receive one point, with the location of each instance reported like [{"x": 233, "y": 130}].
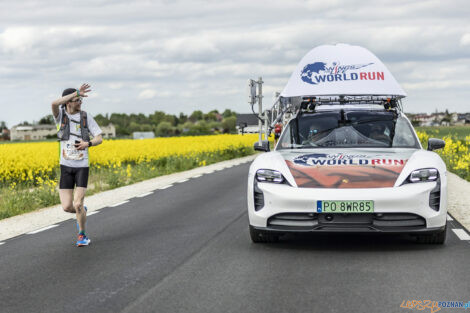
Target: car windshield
[{"x": 337, "y": 129}]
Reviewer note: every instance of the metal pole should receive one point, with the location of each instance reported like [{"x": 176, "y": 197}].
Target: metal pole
[{"x": 260, "y": 107}]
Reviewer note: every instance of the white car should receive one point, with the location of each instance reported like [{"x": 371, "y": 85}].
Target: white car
[{"x": 348, "y": 168}]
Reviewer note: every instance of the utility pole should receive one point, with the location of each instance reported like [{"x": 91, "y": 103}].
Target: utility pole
[
  {"x": 256, "y": 95},
  {"x": 260, "y": 108}
]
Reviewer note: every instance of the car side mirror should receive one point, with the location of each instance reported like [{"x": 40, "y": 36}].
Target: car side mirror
[
  {"x": 434, "y": 144},
  {"x": 263, "y": 147}
]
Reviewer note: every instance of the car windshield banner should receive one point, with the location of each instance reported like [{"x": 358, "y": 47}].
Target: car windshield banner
[{"x": 341, "y": 70}]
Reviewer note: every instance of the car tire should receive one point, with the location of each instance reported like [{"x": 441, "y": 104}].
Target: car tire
[
  {"x": 437, "y": 238},
  {"x": 258, "y": 236}
]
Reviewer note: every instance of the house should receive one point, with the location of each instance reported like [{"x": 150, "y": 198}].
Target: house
[
  {"x": 108, "y": 131},
  {"x": 32, "y": 132},
  {"x": 422, "y": 119},
  {"x": 41, "y": 132},
  {"x": 247, "y": 123},
  {"x": 143, "y": 135}
]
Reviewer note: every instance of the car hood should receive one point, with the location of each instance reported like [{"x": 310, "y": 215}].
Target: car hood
[{"x": 356, "y": 168}]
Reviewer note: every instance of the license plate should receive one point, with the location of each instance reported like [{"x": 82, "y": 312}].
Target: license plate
[{"x": 345, "y": 206}]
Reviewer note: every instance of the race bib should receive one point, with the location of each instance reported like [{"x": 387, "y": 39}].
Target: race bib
[{"x": 69, "y": 152}]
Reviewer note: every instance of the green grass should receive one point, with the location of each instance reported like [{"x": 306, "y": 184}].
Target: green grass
[
  {"x": 24, "y": 199},
  {"x": 456, "y": 132}
]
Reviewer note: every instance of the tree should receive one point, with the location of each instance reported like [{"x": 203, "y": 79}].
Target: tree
[
  {"x": 47, "y": 120},
  {"x": 3, "y": 125},
  {"x": 229, "y": 124},
  {"x": 202, "y": 128},
  {"x": 164, "y": 129},
  {"x": 228, "y": 113},
  {"x": 170, "y": 119},
  {"x": 183, "y": 118},
  {"x": 215, "y": 126},
  {"x": 196, "y": 116},
  {"x": 211, "y": 116},
  {"x": 157, "y": 117},
  {"x": 102, "y": 120}
]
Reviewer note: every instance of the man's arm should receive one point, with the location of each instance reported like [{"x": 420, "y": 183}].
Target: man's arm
[
  {"x": 57, "y": 103},
  {"x": 82, "y": 92},
  {"x": 98, "y": 139}
]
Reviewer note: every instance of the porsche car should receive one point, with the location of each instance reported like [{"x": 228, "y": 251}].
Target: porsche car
[{"x": 348, "y": 168}]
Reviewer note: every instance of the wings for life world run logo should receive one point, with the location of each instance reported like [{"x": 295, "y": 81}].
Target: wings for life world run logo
[
  {"x": 319, "y": 72},
  {"x": 322, "y": 159}
]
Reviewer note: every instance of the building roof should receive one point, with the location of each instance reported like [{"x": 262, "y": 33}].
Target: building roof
[
  {"x": 249, "y": 118},
  {"x": 33, "y": 127}
]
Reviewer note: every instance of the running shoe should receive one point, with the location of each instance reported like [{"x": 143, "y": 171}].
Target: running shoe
[
  {"x": 83, "y": 241},
  {"x": 86, "y": 210}
]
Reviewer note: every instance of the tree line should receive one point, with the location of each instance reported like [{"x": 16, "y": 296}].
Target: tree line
[{"x": 162, "y": 124}]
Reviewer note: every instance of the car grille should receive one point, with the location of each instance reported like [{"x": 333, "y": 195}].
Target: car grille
[{"x": 325, "y": 221}]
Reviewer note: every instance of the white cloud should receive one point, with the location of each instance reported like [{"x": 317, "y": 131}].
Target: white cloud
[
  {"x": 147, "y": 94},
  {"x": 149, "y": 55},
  {"x": 465, "y": 40}
]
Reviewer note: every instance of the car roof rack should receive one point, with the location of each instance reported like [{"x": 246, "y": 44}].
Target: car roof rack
[
  {"x": 310, "y": 103},
  {"x": 284, "y": 109}
]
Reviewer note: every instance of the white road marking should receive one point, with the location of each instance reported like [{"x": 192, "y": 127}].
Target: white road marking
[
  {"x": 42, "y": 229},
  {"x": 145, "y": 194},
  {"x": 93, "y": 212},
  {"x": 462, "y": 234},
  {"x": 198, "y": 175},
  {"x": 449, "y": 218},
  {"x": 118, "y": 204},
  {"x": 165, "y": 187},
  {"x": 183, "y": 180},
  {"x": 1, "y": 243}
]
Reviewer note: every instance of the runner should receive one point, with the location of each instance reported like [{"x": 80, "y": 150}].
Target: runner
[{"x": 74, "y": 128}]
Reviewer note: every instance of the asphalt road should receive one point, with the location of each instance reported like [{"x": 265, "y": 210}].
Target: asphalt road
[{"x": 187, "y": 249}]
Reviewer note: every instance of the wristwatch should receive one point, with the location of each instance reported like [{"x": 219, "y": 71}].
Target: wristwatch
[{"x": 90, "y": 144}]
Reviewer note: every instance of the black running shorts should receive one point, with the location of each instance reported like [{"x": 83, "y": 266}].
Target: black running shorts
[{"x": 73, "y": 176}]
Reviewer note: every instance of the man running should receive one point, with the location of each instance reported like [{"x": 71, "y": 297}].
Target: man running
[{"x": 74, "y": 127}]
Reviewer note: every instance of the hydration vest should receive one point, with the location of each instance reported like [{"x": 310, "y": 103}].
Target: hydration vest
[{"x": 63, "y": 130}]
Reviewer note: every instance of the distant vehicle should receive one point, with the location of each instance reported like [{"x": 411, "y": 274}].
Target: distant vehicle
[{"x": 348, "y": 160}]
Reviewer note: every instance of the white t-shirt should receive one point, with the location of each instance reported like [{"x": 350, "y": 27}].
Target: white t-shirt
[{"x": 69, "y": 155}]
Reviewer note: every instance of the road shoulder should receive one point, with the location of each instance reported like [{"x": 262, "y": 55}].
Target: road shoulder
[{"x": 458, "y": 199}]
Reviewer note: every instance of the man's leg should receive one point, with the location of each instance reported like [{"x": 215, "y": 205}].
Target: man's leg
[
  {"x": 66, "y": 185},
  {"x": 66, "y": 197},
  {"x": 78, "y": 206}
]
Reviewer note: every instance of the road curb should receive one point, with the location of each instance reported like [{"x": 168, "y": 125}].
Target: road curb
[{"x": 458, "y": 199}]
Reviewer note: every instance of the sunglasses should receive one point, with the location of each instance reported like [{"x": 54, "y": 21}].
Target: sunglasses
[{"x": 76, "y": 100}]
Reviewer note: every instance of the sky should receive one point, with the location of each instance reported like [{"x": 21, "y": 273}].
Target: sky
[{"x": 175, "y": 56}]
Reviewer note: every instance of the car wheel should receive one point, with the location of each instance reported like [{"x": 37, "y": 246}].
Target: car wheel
[
  {"x": 437, "y": 238},
  {"x": 258, "y": 236}
]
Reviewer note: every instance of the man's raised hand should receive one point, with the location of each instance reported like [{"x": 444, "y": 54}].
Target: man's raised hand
[{"x": 84, "y": 89}]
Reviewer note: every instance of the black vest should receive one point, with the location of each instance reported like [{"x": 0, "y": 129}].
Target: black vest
[{"x": 63, "y": 132}]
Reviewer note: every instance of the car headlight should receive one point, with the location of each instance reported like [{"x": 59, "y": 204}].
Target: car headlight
[
  {"x": 423, "y": 175},
  {"x": 269, "y": 176}
]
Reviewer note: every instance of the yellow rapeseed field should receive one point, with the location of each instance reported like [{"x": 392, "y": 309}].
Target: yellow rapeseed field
[
  {"x": 456, "y": 154},
  {"x": 35, "y": 163}
]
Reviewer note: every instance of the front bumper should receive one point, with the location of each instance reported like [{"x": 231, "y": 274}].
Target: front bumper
[
  {"x": 364, "y": 223},
  {"x": 402, "y": 209}
]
